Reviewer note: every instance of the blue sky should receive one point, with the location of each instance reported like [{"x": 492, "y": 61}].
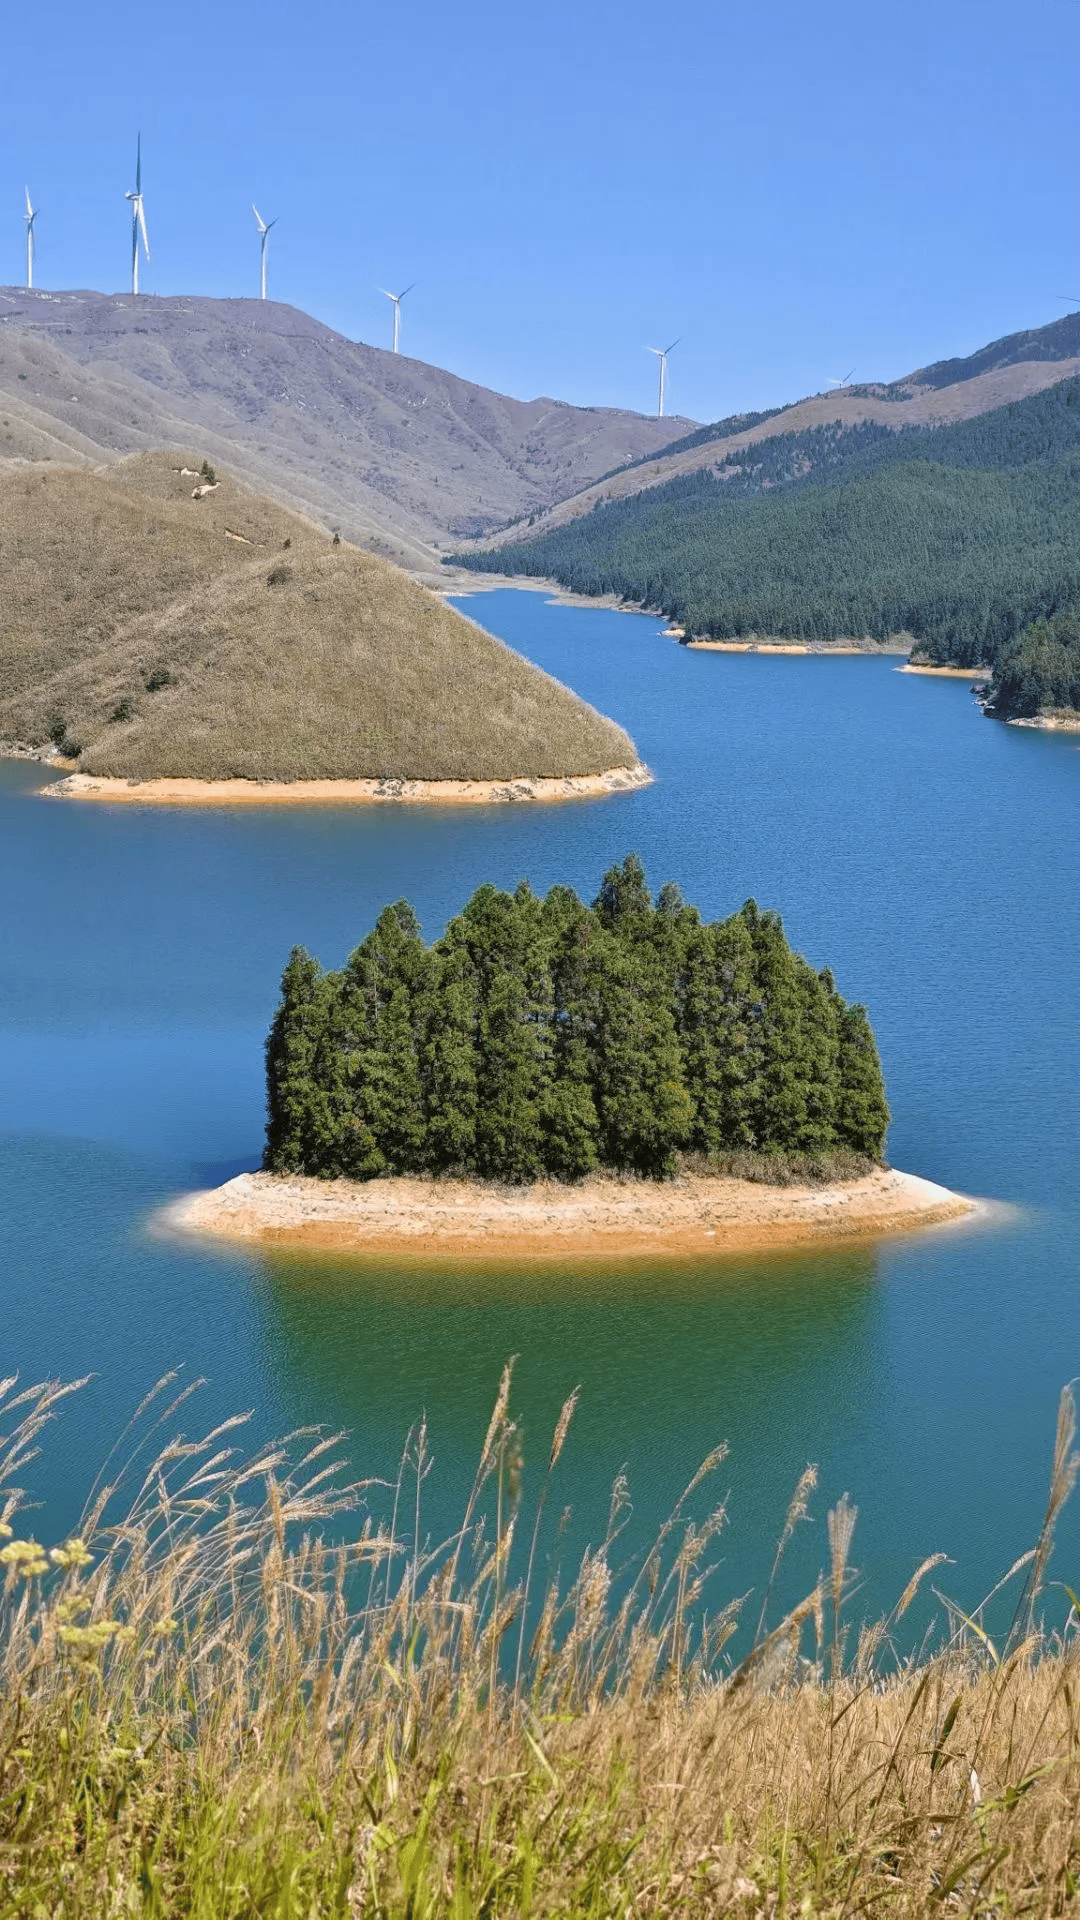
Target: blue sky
[{"x": 793, "y": 189}]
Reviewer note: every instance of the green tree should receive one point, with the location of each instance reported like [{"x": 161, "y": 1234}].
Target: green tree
[
  {"x": 450, "y": 1054},
  {"x": 515, "y": 1054},
  {"x": 384, "y": 992},
  {"x": 717, "y": 1033},
  {"x": 862, "y": 1112},
  {"x": 643, "y": 1108},
  {"x": 571, "y": 1124},
  {"x": 305, "y": 1083}
]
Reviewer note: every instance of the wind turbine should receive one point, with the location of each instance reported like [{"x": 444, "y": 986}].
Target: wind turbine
[
  {"x": 30, "y": 216},
  {"x": 662, "y": 354},
  {"x": 264, "y": 227},
  {"x": 138, "y": 220},
  {"x": 834, "y": 382},
  {"x": 397, "y": 299}
]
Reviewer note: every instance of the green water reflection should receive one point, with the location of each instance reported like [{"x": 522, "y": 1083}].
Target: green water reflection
[{"x": 779, "y": 1357}]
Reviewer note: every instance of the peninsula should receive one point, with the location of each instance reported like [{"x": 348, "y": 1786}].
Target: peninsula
[
  {"x": 169, "y": 635},
  {"x": 615, "y": 1078}
]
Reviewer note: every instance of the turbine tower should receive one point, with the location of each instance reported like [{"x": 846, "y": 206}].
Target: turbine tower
[
  {"x": 138, "y": 220},
  {"x": 30, "y": 216},
  {"x": 264, "y": 227},
  {"x": 397, "y": 299},
  {"x": 662, "y": 354}
]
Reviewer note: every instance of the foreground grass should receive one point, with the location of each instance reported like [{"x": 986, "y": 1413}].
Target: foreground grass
[
  {"x": 152, "y": 634},
  {"x": 197, "y": 1719}
]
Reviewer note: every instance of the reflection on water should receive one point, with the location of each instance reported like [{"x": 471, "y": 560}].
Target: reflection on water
[{"x": 674, "y": 1357}]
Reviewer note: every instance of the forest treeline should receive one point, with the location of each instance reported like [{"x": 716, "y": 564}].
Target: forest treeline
[
  {"x": 960, "y": 536},
  {"x": 546, "y": 1037},
  {"x": 1039, "y": 671}
]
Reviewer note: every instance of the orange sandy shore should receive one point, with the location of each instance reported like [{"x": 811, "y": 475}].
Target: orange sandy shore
[
  {"x": 602, "y": 1216},
  {"x": 217, "y": 793}
]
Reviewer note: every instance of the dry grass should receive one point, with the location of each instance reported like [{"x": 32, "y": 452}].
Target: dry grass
[
  {"x": 341, "y": 669},
  {"x": 777, "y": 1168},
  {"x": 206, "y": 1711}
]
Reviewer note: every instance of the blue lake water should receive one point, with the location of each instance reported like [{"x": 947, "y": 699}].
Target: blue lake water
[{"x": 924, "y": 853}]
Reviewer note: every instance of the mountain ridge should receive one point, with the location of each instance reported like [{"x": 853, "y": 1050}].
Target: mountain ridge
[{"x": 401, "y": 457}]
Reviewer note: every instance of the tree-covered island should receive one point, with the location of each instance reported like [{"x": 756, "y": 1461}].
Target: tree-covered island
[{"x": 543, "y": 1037}]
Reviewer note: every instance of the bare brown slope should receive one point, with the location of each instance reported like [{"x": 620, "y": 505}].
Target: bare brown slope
[
  {"x": 225, "y": 637},
  {"x": 930, "y": 407},
  {"x": 403, "y": 457}
]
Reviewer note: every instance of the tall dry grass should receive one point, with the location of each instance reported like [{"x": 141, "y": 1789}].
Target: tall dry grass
[
  {"x": 207, "y": 1710},
  {"x": 227, "y": 637}
]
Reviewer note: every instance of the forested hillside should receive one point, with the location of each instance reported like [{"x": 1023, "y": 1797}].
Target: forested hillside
[
  {"x": 960, "y": 536},
  {"x": 544, "y": 1037},
  {"x": 1039, "y": 671}
]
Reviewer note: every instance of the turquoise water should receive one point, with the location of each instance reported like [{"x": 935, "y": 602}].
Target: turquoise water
[{"x": 923, "y": 852}]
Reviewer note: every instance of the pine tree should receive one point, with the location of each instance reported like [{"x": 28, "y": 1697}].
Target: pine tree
[
  {"x": 644, "y": 1111},
  {"x": 305, "y": 1084},
  {"x": 623, "y": 899},
  {"x": 385, "y": 985},
  {"x": 571, "y": 1125},
  {"x": 450, "y": 1054},
  {"x": 717, "y": 1034},
  {"x": 515, "y": 1065},
  {"x": 862, "y": 1112}
]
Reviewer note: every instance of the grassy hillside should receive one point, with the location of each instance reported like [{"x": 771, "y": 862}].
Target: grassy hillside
[
  {"x": 957, "y": 535},
  {"x": 153, "y": 634}
]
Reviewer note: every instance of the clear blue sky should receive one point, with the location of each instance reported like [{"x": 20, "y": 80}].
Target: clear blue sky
[{"x": 795, "y": 189}]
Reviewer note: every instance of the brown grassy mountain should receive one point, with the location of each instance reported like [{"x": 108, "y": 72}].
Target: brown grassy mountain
[
  {"x": 225, "y": 636},
  {"x": 402, "y": 457}
]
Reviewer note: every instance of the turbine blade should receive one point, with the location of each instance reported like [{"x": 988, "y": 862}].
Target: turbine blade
[
  {"x": 389, "y": 296},
  {"x": 138, "y": 164},
  {"x": 408, "y": 289},
  {"x": 29, "y": 208},
  {"x": 673, "y": 345},
  {"x": 142, "y": 225},
  {"x": 259, "y": 221}
]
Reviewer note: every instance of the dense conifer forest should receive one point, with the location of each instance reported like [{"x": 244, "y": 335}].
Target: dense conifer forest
[
  {"x": 541, "y": 1037},
  {"x": 959, "y": 536},
  {"x": 1039, "y": 671}
]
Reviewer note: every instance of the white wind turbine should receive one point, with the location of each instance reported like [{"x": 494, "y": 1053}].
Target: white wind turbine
[
  {"x": 138, "y": 220},
  {"x": 397, "y": 299},
  {"x": 662, "y": 354},
  {"x": 30, "y": 216},
  {"x": 834, "y": 382},
  {"x": 264, "y": 227}
]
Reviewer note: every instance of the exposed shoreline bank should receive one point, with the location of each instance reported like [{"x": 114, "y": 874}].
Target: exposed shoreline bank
[
  {"x": 603, "y": 1216},
  {"x": 948, "y": 673},
  {"x": 1048, "y": 722},
  {"x": 189, "y": 792}
]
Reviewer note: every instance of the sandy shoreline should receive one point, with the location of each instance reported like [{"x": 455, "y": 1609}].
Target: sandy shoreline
[
  {"x": 949, "y": 673},
  {"x": 700, "y": 1213},
  {"x": 184, "y": 792},
  {"x": 817, "y": 648}
]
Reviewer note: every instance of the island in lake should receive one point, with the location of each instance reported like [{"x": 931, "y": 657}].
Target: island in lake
[{"x": 622, "y": 1076}]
